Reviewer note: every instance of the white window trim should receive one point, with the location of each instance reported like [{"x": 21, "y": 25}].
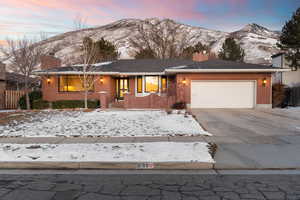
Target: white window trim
[{"x": 143, "y": 94}]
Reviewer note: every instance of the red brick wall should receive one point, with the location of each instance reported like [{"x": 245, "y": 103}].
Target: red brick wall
[
  {"x": 198, "y": 57},
  {"x": 152, "y": 101},
  {"x": 48, "y": 62},
  {"x": 51, "y": 93},
  {"x": 263, "y": 93}
]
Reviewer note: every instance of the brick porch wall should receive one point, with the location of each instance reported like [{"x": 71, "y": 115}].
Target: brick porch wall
[{"x": 152, "y": 101}]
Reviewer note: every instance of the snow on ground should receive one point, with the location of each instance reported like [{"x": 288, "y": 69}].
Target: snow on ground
[
  {"x": 104, "y": 123},
  {"x": 110, "y": 152},
  {"x": 7, "y": 111}
]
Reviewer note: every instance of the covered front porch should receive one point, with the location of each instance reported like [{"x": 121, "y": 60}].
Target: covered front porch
[{"x": 144, "y": 91}]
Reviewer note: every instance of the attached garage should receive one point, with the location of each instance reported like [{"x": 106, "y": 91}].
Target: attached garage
[
  {"x": 224, "y": 84},
  {"x": 223, "y": 94}
]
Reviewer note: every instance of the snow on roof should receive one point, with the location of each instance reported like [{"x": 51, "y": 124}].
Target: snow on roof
[{"x": 95, "y": 65}]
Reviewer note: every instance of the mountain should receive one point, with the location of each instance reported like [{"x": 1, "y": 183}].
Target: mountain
[{"x": 259, "y": 42}]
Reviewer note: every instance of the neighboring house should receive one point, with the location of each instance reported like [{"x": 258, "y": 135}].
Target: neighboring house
[
  {"x": 2, "y": 85},
  {"x": 11, "y": 86},
  {"x": 15, "y": 81},
  {"x": 155, "y": 83},
  {"x": 290, "y": 78}
]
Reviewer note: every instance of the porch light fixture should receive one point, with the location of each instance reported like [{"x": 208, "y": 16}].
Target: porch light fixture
[
  {"x": 183, "y": 81},
  {"x": 101, "y": 80},
  {"x": 264, "y": 82},
  {"x": 48, "y": 80}
]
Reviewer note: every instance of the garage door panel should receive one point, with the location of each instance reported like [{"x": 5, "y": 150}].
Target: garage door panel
[{"x": 222, "y": 94}]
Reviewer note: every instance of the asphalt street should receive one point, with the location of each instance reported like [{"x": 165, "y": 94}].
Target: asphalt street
[{"x": 151, "y": 185}]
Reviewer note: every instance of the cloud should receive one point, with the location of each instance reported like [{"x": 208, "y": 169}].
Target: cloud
[
  {"x": 3, "y": 43},
  {"x": 105, "y": 8},
  {"x": 57, "y": 15}
]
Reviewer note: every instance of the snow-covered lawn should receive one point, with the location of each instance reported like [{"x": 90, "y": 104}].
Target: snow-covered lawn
[
  {"x": 7, "y": 111},
  {"x": 103, "y": 123},
  {"x": 110, "y": 152}
]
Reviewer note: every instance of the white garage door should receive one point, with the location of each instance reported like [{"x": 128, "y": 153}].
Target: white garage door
[{"x": 223, "y": 94}]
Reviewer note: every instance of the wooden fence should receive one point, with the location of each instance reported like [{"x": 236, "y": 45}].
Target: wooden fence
[
  {"x": 295, "y": 96},
  {"x": 12, "y": 98}
]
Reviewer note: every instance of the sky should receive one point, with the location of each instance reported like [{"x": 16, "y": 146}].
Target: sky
[{"x": 31, "y": 17}]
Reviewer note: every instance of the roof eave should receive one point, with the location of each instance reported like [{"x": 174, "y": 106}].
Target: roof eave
[
  {"x": 100, "y": 73},
  {"x": 75, "y": 73},
  {"x": 224, "y": 70}
]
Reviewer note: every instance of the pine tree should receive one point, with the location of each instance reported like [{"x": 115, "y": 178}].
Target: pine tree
[
  {"x": 198, "y": 48},
  {"x": 232, "y": 51},
  {"x": 290, "y": 40},
  {"x": 144, "y": 54},
  {"x": 105, "y": 50}
]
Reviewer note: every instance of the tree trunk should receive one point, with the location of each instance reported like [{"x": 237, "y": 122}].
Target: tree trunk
[
  {"x": 27, "y": 94},
  {"x": 85, "y": 99},
  {"x": 85, "y": 91}
]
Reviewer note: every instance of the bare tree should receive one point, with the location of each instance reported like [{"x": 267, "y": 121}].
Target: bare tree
[
  {"x": 23, "y": 57},
  {"x": 88, "y": 59},
  {"x": 79, "y": 22},
  {"x": 165, "y": 39}
]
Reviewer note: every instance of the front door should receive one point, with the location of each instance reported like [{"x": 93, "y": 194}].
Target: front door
[{"x": 122, "y": 86}]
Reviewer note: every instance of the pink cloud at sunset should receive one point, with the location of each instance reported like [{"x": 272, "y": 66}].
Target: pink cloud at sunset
[{"x": 57, "y": 15}]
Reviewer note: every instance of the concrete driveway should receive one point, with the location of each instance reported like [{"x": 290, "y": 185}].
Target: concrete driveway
[{"x": 253, "y": 139}]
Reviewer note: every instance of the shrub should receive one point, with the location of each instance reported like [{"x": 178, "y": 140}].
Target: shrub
[
  {"x": 179, "y": 105},
  {"x": 74, "y": 104},
  {"x": 34, "y": 95},
  {"x": 278, "y": 95},
  {"x": 40, "y": 104}
]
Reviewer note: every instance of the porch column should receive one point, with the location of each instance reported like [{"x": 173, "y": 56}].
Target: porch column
[
  {"x": 126, "y": 100},
  {"x": 103, "y": 99}
]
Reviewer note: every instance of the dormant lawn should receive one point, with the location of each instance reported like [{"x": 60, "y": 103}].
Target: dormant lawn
[{"x": 100, "y": 123}]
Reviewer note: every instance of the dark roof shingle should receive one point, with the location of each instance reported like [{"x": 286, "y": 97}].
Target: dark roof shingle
[{"x": 159, "y": 66}]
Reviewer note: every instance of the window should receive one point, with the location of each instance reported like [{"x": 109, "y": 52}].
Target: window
[
  {"x": 70, "y": 84},
  {"x": 163, "y": 84},
  {"x": 139, "y": 84},
  {"x": 151, "y": 83}
]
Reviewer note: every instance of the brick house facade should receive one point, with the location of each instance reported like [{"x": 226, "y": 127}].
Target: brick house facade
[{"x": 154, "y": 83}]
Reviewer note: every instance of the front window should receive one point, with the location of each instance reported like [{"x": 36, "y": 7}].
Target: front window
[
  {"x": 151, "y": 84},
  {"x": 139, "y": 84},
  {"x": 70, "y": 83},
  {"x": 163, "y": 84}
]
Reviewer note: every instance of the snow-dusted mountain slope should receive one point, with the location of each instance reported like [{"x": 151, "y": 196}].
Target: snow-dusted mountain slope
[{"x": 259, "y": 43}]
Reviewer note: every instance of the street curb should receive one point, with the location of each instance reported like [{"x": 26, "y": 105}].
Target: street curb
[{"x": 106, "y": 165}]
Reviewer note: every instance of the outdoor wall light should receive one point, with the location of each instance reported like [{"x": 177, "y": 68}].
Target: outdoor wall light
[
  {"x": 264, "y": 82},
  {"x": 48, "y": 80},
  {"x": 101, "y": 80},
  {"x": 183, "y": 81}
]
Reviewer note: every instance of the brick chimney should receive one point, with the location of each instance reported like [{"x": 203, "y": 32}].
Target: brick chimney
[
  {"x": 49, "y": 61},
  {"x": 203, "y": 56}
]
